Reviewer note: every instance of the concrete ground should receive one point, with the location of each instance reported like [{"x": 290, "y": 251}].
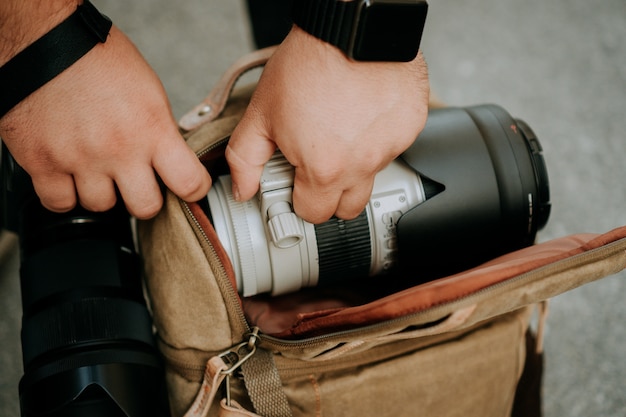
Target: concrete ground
[{"x": 560, "y": 65}]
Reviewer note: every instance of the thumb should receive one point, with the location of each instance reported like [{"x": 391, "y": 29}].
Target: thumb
[{"x": 247, "y": 152}]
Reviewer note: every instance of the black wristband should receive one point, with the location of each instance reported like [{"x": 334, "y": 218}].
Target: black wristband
[
  {"x": 328, "y": 20},
  {"x": 365, "y": 30},
  {"x": 51, "y": 54}
]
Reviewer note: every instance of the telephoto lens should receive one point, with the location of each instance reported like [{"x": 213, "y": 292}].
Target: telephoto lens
[
  {"x": 87, "y": 341},
  {"x": 495, "y": 197},
  {"x": 473, "y": 186}
]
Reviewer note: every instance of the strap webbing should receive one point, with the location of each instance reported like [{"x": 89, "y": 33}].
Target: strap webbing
[{"x": 264, "y": 386}]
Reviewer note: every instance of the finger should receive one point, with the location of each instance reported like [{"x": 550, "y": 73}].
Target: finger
[
  {"x": 246, "y": 153},
  {"x": 140, "y": 191},
  {"x": 314, "y": 203},
  {"x": 181, "y": 171},
  {"x": 354, "y": 200},
  {"x": 56, "y": 191},
  {"x": 95, "y": 193}
]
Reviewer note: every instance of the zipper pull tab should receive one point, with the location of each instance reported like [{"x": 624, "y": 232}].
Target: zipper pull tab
[{"x": 237, "y": 356}]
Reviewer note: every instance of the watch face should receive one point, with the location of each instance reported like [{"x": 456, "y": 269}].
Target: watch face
[{"x": 389, "y": 30}]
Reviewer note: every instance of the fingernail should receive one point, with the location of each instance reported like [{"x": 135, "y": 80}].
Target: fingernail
[{"x": 236, "y": 194}]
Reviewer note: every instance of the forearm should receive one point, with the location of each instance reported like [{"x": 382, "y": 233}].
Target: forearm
[{"x": 24, "y": 21}]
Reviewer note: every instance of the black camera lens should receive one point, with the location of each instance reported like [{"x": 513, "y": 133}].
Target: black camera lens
[
  {"x": 542, "y": 183},
  {"x": 87, "y": 341},
  {"x": 496, "y": 191}
]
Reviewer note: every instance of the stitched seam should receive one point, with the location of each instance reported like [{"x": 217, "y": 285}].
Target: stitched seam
[{"x": 318, "y": 395}]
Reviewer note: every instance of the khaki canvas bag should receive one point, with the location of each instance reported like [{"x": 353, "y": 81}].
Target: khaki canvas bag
[{"x": 465, "y": 345}]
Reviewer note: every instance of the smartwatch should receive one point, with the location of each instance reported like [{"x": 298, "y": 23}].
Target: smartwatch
[{"x": 365, "y": 30}]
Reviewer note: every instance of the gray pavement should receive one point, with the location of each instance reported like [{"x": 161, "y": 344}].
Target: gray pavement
[{"x": 560, "y": 65}]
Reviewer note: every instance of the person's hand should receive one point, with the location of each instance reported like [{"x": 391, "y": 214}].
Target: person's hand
[
  {"x": 337, "y": 121},
  {"x": 103, "y": 122}
]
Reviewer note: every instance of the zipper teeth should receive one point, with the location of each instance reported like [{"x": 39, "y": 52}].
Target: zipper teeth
[
  {"x": 598, "y": 253},
  {"x": 233, "y": 298},
  {"x": 581, "y": 258},
  {"x": 211, "y": 147}
]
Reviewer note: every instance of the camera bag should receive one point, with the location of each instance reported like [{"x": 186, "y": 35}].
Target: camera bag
[{"x": 469, "y": 344}]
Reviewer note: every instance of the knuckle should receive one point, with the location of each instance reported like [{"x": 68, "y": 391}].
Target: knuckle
[
  {"x": 194, "y": 185},
  {"x": 317, "y": 217},
  {"x": 325, "y": 176},
  {"x": 313, "y": 211},
  {"x": 98, "y": 205},
  {"x": 145, "y": 211},
  {"x": 349, "y": 213},
  {"x": 58, "y": 205},
  {"x": 234, "y": 159}
]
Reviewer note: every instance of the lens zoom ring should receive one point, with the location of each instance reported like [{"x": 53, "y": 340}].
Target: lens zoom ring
[
  {"x": 344, "y": 249},
  {"x": 88, "y": 320}
]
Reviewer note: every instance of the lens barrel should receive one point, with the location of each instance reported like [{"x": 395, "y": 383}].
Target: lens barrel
[
  {"x": 344, "y": 249},
  {"x": 473, "y": 186},
  {"x": 87, "y": 341}
]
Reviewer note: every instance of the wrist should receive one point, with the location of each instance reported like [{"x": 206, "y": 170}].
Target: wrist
[
  {"x": 51, "y": 54},
  {"x": 322, "y": 53}
]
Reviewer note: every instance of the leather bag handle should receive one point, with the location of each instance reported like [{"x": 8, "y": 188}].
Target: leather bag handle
[{"x": 213, "y": 104}]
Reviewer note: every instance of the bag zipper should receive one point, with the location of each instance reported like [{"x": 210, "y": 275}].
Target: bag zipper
[
  {"x": 441, "y": 310},
  {"x": 232, "y": 298},
  {"x": 193, "y": 371},
  {"x": 233, "y": 301},
  {"x": 296, "y": 368},
  {"x": 431, "y": 314}
]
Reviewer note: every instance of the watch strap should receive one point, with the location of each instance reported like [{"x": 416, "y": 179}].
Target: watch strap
[
  {"x": 51, "y": 54},
  {"x": 329, "y": 20}
]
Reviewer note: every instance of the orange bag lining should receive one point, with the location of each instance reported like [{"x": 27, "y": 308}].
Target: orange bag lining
[{"x": 311, "y": 312}]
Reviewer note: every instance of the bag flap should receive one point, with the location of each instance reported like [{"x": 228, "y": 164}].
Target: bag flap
[{"x": 504, "y": 284}]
